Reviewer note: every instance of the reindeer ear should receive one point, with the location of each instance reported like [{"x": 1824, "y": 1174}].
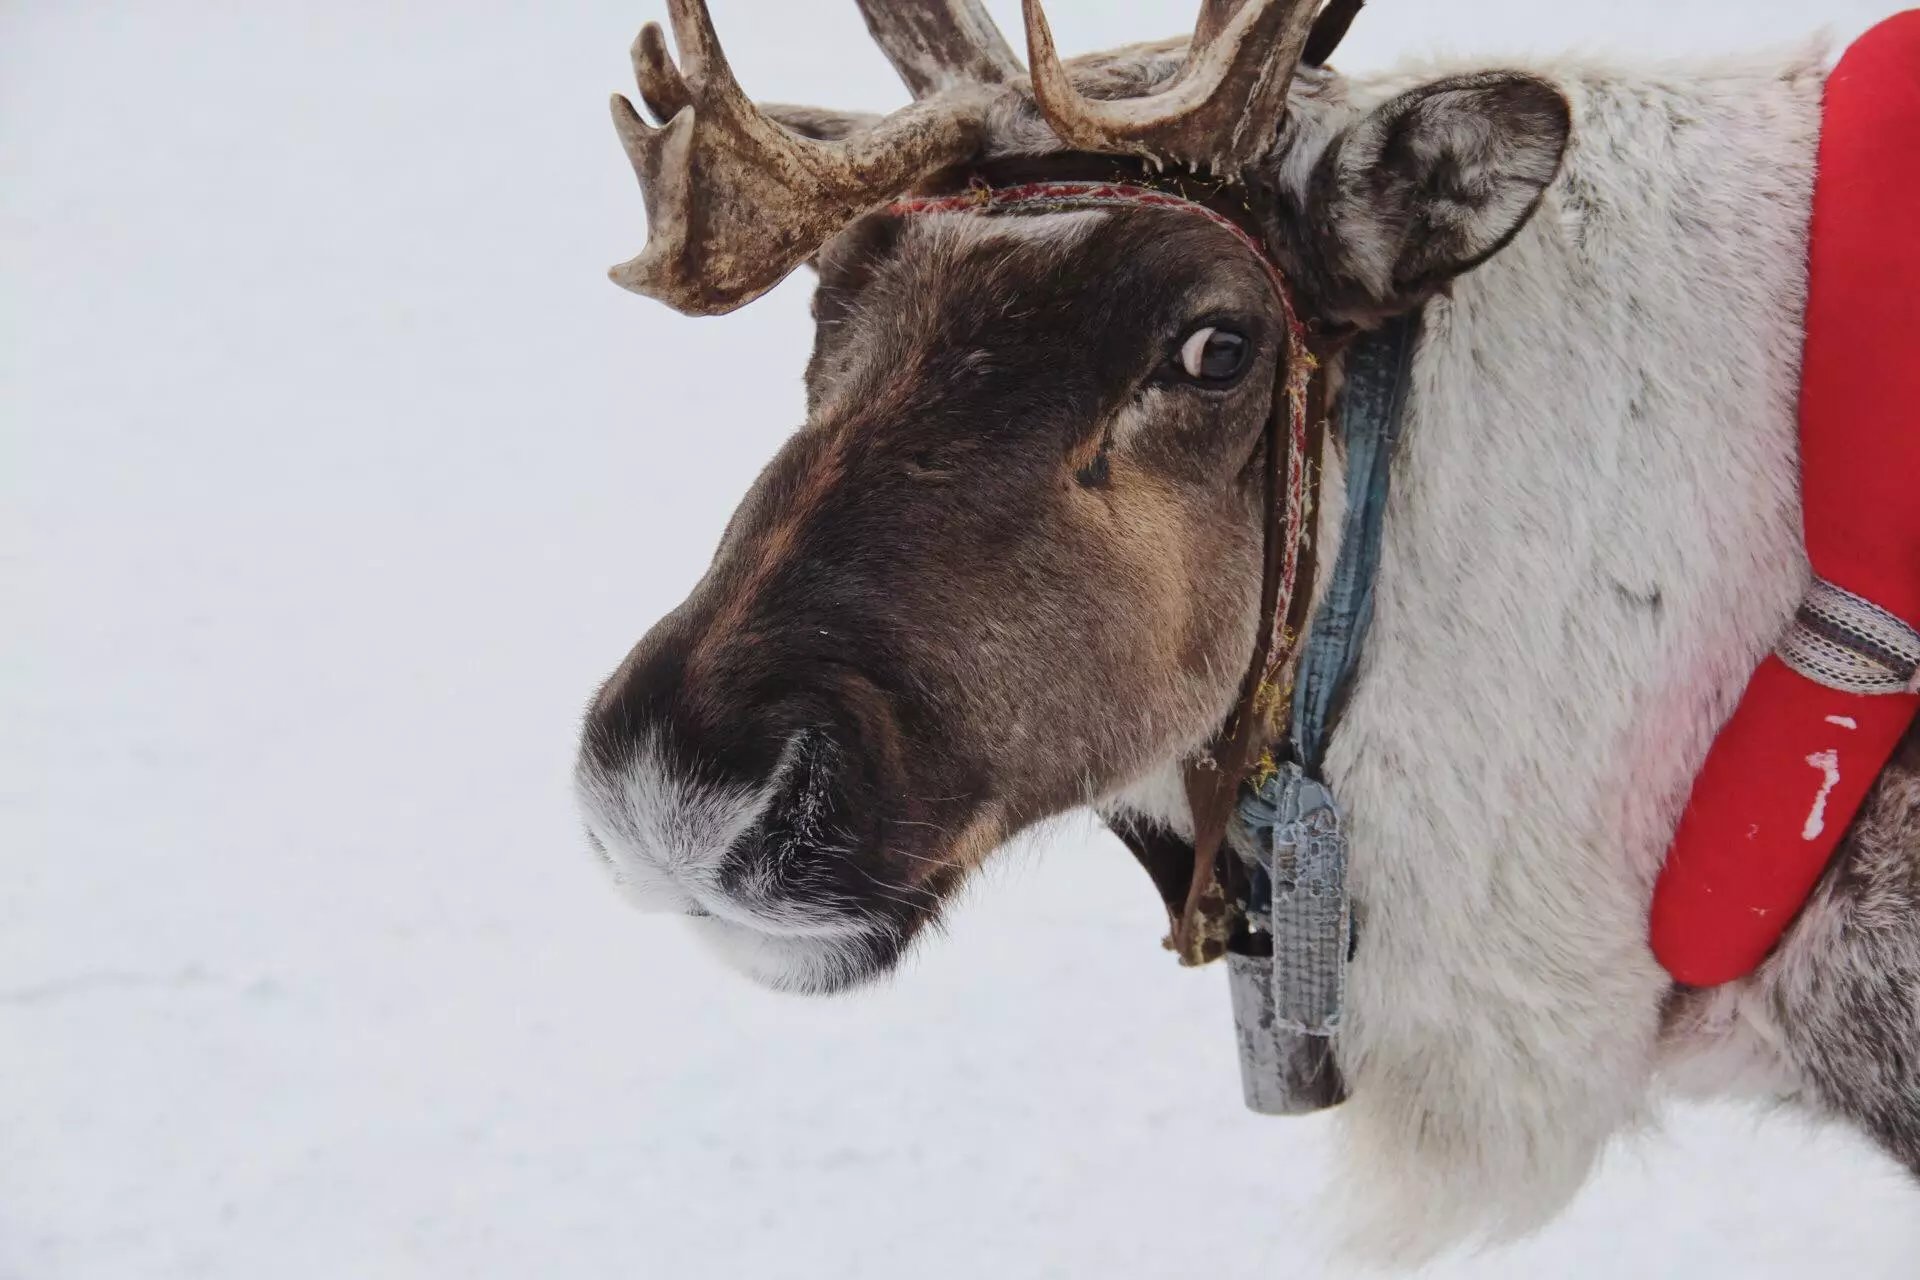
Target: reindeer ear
[{"x": 1429, "y": 185}]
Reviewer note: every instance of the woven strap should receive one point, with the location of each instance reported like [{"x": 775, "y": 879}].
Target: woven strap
[{"x": 1849, "y": 643}]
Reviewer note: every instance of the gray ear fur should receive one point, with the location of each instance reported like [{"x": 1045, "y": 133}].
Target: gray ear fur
[{"x": 1426, "y": 186}]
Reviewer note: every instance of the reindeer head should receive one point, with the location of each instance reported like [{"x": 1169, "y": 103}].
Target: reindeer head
[{"x": 1012, "y": 562}]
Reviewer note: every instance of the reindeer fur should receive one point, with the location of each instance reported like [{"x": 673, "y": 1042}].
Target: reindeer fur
[{"x": 1593, "y": 538}]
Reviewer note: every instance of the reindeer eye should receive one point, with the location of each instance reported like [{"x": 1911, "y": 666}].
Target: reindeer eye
[{"x": 1213, "y": 356}]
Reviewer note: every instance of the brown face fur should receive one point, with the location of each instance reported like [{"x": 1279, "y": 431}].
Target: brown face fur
[{"x": 1011, "y": 562}]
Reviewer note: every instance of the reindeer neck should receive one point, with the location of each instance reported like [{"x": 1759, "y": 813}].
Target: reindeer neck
[{"x": 1593, "y": 536}]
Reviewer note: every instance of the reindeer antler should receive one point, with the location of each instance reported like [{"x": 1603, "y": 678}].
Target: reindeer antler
[
  {"x": 1219, "y": 113},
  {"x": 1329, "y": 29},
  {"x": 937, "y": 44},
  {"x": 734, "y": 200}
]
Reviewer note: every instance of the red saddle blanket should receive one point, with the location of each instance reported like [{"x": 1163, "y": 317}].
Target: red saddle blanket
[{"x": 1794, "y": 763}]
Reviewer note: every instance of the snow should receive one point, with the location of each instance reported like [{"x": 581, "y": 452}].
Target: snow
[{"x": 335, "y": 476}]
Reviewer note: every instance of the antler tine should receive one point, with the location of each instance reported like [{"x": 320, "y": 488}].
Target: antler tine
[
  {"x": 661, "y": 85},
  {"x": 705, "y": 68},
  {"x": 937, "y": 44},
  {"x": 1213, "y": 19},
  {"x": 1218, "y": 114},
  {"x": 734, "y": 200},
  {"x": 1329, "y": 29}
]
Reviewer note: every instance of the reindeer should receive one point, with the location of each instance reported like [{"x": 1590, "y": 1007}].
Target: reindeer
[{"x": 1012, "y": 564}]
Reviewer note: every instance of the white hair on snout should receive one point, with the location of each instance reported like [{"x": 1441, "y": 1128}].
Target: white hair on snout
[{"x": 664, "y": 833}]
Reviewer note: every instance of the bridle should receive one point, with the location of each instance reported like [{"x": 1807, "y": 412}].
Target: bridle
[
  {"x": 736, "y": 200},
  {"x": 1203, "y": 913},
  {"x": 1262, "y": 881}
]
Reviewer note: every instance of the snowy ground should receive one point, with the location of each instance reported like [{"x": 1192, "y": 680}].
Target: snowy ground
[{"x": 335, "y": 475}]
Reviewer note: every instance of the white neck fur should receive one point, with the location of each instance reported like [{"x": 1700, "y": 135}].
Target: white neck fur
[{"x": 1593, "y": 537}]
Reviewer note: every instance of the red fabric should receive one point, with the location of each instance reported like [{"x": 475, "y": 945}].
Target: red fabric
[{"x": 1749, "y": 848}]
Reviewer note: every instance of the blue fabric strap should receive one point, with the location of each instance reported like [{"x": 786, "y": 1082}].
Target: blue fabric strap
[
  {"x": 1372, "y": 402},
  {"x": 1289, "y": 1006}
]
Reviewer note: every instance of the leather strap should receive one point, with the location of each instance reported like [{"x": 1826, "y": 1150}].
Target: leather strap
[{"x": 1207, "y": 916}]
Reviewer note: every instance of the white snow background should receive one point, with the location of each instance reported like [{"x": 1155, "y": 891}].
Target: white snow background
[{"x": 335, "y": 477}]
